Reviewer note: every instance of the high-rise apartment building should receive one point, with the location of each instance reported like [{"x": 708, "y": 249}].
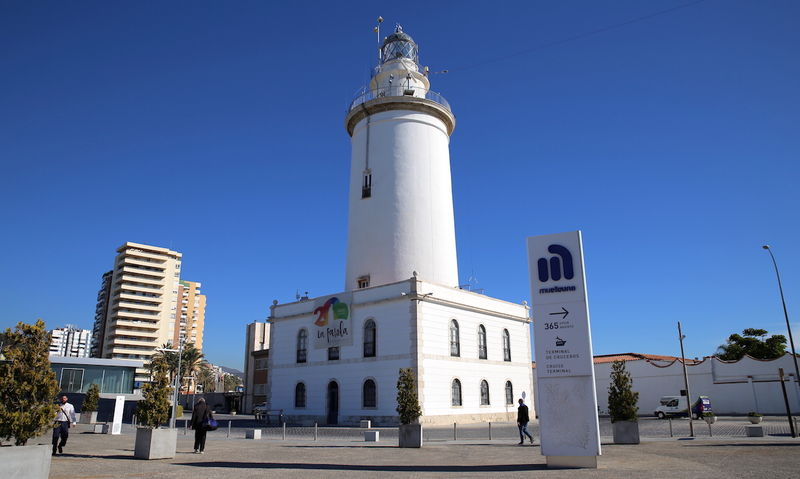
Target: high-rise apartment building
[
  {"x": 70, "y": 342},
  {"x": 142, "y": 306},
  {"x": 100, "y": 313},
  {"x": 192, "y": 312}
]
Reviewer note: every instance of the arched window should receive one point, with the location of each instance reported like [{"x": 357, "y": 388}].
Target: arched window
[
  {"x": 455, "y": 392},
  {"x": 484, "y": 393},
  {"x": 455, "y": 342},
  {"x": 506, "y": 346},
  {"x": 481, "y": 342},
  {"x": 509, "y": 393},
  {"x": 300, "y": 395},
  {"x": 302, "y": 346},
  {"x": 369, "y": 339},
  {"x": 369, "y": 395}
]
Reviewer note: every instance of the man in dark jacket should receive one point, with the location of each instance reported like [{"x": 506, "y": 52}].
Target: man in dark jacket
[
  {"x": 522, "y": 422},
  {"x": 199, "y": 415}
]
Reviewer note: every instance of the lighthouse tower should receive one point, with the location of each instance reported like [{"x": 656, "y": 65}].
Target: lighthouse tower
[
  {"x": 334, "y": 359},
  {"x": 401, "y": 199}
]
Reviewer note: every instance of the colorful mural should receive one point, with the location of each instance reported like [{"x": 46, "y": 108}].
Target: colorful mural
[{"x": 332, "y": 321}]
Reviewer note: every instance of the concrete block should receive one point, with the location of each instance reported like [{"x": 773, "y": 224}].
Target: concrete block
[
  {"x": 155, "y": 443},
  {"x": 31, "y": 462},
  {"x": 252, "y": 434},
  {"x": 755, "y": 431},
  {"x": 365, "y": 424},
  {"x": 626, "y": 432},
  {"x": 410, "y": 435},
  {"x": 100, "y": 429},
  {"x": 371, "y": 436}
]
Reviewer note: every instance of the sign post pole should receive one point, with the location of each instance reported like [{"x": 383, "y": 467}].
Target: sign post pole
[{"x": 565, "y": 386}]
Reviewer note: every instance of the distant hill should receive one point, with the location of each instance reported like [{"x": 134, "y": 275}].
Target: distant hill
[{"x": 235, "y": 372}]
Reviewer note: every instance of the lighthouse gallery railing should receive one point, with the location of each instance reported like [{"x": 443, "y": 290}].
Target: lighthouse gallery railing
[{"x": 367, "y": 94}]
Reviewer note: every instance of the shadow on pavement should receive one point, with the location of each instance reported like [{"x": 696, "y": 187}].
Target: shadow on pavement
[
  {"x": 370, "y": 467},
  {"x": 749, "y": 444}
]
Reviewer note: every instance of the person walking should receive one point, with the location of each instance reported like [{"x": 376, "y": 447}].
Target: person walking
[
  {"x": 200, "y": 413},
  {"x": 65, "y": 416},
  {"x": 522, "y": 422}
]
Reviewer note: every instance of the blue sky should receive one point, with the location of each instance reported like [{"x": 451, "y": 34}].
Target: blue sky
[{"x": 216, "y": 129}]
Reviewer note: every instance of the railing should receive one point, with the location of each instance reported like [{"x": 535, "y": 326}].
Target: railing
[{"x": 367, "y": 94}]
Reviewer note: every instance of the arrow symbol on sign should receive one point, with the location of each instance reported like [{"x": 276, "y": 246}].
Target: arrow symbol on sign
[{"x": 563, "y": 312}]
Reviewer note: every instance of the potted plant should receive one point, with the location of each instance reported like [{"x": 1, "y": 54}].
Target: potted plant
[
  {"x": 408, "y": 407},
  {"x": 622, "y": 406},
  {"x": 709, "y": 417},
  {"x": 153, "y": 441},
  {"x": 755, "y": 417},
  {"x": 89, "y": 406},
  {"x": 27, "y": 387}
]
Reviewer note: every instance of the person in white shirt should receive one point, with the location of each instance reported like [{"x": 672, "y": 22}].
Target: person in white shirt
[{"x": 65, "y": 416}]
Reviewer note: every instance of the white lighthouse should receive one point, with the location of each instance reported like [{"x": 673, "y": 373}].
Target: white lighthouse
[
  {"x": 335, "y": 359},
  {"x": 401, "y": 199}
]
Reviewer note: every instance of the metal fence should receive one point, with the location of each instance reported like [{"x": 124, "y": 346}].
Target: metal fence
[{"x": 500, "y": 431}]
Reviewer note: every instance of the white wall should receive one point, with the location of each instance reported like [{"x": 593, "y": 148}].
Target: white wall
[
  {"x": 390, "y": 311},
  {"x": 400, "y": 319},
  {"x": 439, "y": 368},
  {"x": 407, "y": 224},
  {"x": 725, "y": 383}
]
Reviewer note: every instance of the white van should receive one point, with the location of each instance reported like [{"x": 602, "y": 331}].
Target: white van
[{"x": 671, "y": 406}]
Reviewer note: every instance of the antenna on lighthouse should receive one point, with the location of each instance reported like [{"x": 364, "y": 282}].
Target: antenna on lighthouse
[{"x": 377, "y": 30}]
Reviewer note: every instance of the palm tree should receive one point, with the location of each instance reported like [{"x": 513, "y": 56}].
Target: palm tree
[
  {"x": 191, "y": 361},
  {"x": 207, "y": 378}
]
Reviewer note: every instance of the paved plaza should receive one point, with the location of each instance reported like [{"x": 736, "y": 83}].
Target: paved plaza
[{"x": 341, "y": 452}]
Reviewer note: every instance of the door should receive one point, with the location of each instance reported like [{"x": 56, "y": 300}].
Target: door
[{"x": 333, "y": 403}]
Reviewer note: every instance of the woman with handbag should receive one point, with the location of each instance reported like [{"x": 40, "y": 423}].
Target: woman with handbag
[{"x": 200, "y": 415}]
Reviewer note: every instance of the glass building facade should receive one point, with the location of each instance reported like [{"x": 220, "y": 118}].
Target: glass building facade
[{"x": 114, "y": 376}]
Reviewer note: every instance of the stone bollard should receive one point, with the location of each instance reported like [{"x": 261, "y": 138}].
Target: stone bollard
[
  {"x": 755, "y": 431},
  {"x": 365, "y": 424},
  {"x": 371, "y": 436},
  {"x": 252, "y": 434}
]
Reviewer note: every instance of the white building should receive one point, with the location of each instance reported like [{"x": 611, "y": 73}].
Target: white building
[
  {"x": 734, "y": 387},
  {"x": 335, "y": 359},
  {"x": 70, "y": 342}
]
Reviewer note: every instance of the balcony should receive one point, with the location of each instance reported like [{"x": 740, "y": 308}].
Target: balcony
[
  {"x": 155, "y": 276},
  {"x": 366, "y": 94},
  {"x": 136, "y": 298},
  {"x": 132, "y": 323},
  {"x": 127, "y": 304},
  {"x": 398, "y": 97}
]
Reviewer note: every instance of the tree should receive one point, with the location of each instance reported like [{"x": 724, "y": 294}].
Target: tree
[
  {"x": 753, "y": 344},
  {"x": 407, "y": 400},
  {"x": 207, "y": 378},
  {"x": 231, "y": 381},
  {"x": 153, "y": 410},
  {"x": 621, "y": 397},
  {"x": 191, "y": 360},
  {"x": 92, "y": 399},
  {"x": 28, "y": 385}
]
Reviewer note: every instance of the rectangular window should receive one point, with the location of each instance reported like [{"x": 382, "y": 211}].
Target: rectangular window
[
  {"x": 363, "y": 282},
  {"x": 71, "y": 380},
  {"x": 366, "y": 185},
  {"x": 333, "y": 354}
]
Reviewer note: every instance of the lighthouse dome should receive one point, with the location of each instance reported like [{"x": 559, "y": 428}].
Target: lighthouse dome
[{"x": 399, "y": 45}]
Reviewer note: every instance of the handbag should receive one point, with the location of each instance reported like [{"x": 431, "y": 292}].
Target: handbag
[{"x": 210, "y": 424}]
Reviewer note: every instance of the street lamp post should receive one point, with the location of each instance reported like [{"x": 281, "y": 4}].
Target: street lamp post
[
  {"x": 785, "y": 313},
  {"x": 177, "y": 381},
  {"x": 686, "y": 383}
]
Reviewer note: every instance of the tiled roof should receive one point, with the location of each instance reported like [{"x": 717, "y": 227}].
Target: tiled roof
[{"x": 610, "y": 358}]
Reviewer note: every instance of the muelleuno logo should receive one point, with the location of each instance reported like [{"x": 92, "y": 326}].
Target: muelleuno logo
[
  {"x": 558, "y": 266},
  {"x": 562, "y": 258}
]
